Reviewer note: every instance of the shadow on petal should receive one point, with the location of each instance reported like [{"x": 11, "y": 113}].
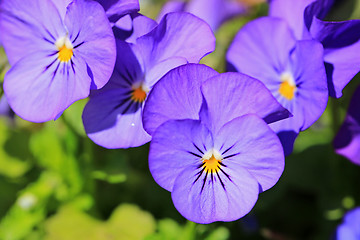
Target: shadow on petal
[{"x": 287, "y": 139}]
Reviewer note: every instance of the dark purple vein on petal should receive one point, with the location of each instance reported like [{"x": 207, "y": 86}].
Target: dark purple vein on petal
[
  {"x": 232, "y": 155},
  {"x": 196, "y": 155},
  {"x": 203, "y": 185},
  {"x": 222, "y": 183},
  {"x": 198, "y": 148}
]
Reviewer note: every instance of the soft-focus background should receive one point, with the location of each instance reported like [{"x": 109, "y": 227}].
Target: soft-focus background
[{"x": 56, "y": 184}]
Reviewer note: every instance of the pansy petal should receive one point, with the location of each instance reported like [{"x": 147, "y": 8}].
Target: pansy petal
[
  {"x": 316, "y": 10},
  {"x": 163, "y": 67},
  {"x": 176, "y": 96},
  {"x": 292, "y": 11},
  {"x": 115, "y": 9},
  {"x": 177, "y": 35},
  {"x": 231, "y": 95},
  {"x": 109, "y": 125},
  {"x": 62, "y": 6},
  {"x": 334, "y": 35},
  {"x": 350, "y": 135},
  {"x": 38, "y": 28},
  {"x": 39, "y": 87},
  {"x": 341, "y": 66},
  {"x": 265, "y": 42},
  {"x": 352, "y": 219},
  {"x": 210, "y": 199},
  {"x": 171, "y": 6},
  {"x": 215, "y": 12},
  {"x": 341, "y": 42},
  {"x": 140, "y": 25},
  {"x": 93, "y": 40},
  {"x": 347, "y": 141},
  {"x": 253, "y": 146},
  {"x": 309, "y": 71},
  {"x": 172, "y": 150},
  {"x": 310, "y": 96},
  {"x": 345, "y": 233},
  {"x": 111, "y": 118},
  {"x": 350, "y": 228},
  {"x": 286, "y": 131},
  {"x": 124, "y": 23},
  {"x": 127, "y": 69}
]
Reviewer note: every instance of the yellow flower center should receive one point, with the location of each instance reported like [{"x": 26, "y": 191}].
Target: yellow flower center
[
  {"x": 65, "y": 49},
  {"x": 138, "y": 94},
  {"x": 212, "y": 164},
  {"x": 65, "y": 54},
  {"x": 287, "y": 88}
]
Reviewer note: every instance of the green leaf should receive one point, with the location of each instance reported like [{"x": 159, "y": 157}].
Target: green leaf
[
  {"x": 11, "y": 166},
  {"x": 220, "y": 233}
]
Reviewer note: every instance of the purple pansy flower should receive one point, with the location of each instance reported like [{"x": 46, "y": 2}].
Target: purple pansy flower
[
  {"x": 341, "y": 40},
  {"x": 292, "y": 70},
  {"x": 350, "y": 227},
  {"x": 214, "y": 12},
  {"x": 216, "y": 153},
  {"x": 57, "y": 53},
  {"x": 113, "y": 116},
  {"x": 347, "y": 141}
]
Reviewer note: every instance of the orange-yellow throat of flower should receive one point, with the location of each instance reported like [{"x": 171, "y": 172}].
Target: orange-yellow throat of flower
[
  {"x": 65, "y": 54},
  {"x": 212, "y": 164},
  {"x": 65, "y": 49},
  {"x": 138, "y": 95},
  {"x": 287, "y": 88}
]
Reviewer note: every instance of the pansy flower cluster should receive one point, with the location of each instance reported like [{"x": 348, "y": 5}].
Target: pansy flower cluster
[{"x": 217, "y": 139}]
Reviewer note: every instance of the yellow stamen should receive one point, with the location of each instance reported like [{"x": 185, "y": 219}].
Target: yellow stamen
[
  {"x": 65, "y": 49},
  {"x": 212, "y": 164},
  {"x": 65, "y": 54},
  {"x": 138, "y": 94},
  {"x": 287, "y": 88}
]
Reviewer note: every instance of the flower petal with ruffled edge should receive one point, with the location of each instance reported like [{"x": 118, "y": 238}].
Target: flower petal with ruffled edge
[
  {"x": 236, "y": 88},
  {"x": 288, "y": 72},
  {"x": 93, "y": 39},
  {"x": 310, "y": 98},
  {"x": 293, "y": 12},
  {"x": 347, "y": 140},
  {"x": 265, "y": 40},
  {"x": 176, "y": 96},
  {"x": 132, "y": 26},
  {"x": 111, "y": 118},
  {"x": 28, "y": 26},
  {"x": 182, "y": 159},
  {"x": 177, "y": 35},
  {"x": 341, "y": 41},
  {"x": 115, "y": 9},
  {"x": 43, "y": 83},
  {"x": 134, "y": 78}
]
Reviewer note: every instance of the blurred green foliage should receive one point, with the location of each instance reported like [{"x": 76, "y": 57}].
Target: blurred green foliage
[{"x": 56, "y": 184}]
